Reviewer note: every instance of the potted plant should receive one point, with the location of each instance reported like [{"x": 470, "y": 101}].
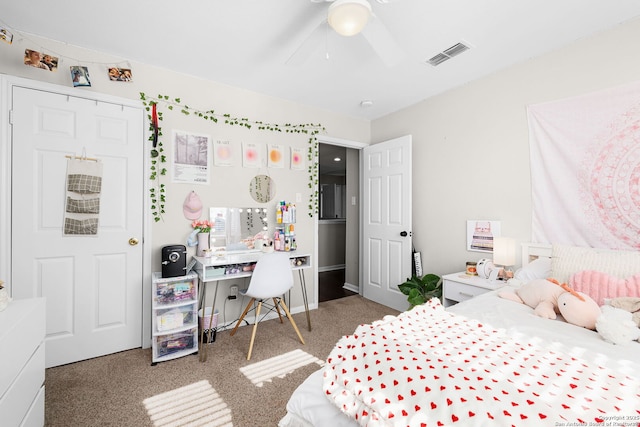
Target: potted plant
[{"x": 421, "y": 289}]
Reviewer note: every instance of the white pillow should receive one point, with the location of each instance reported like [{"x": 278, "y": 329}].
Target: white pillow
[
  {"x": 567, "y": 260},
  {"x": 539, "y": 268}
]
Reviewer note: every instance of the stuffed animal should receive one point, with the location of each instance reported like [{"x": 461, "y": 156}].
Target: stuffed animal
[
  {"x": 267, "y": 245},
  {"x": 548, "y": 297},
  {"x": 630, "y": 304},
  {"x": 260, "y": 239},
  {"x": 616, "y": 326}
]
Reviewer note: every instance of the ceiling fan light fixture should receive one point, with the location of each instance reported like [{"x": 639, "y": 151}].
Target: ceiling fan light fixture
[{"x": 349, "y": 17}]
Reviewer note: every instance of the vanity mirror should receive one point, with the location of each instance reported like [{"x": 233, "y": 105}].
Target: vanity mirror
[
  {"x": 262, "y": 188},
  {"x": 235, "y": 229}
]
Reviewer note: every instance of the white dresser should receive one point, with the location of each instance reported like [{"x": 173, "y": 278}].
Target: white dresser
[{"x": 22, "y": 331}]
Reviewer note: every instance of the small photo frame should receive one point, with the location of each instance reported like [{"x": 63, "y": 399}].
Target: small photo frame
[
  {"x": 40, "y": 60},
  {"x": 297, "y": 159},
  {"x": 276, "y": 156},
  {"x": 251, "y": 155},
  {"x": 120, "y": 74},
  {"x": 480, "y": 234},
  {"x": 6, "y": 35},
  {"x": 79, "y": 76},
  {"x": 223, "y": 153}
]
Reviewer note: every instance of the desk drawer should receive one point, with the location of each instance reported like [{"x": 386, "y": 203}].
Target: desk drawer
[{"x": 456, "y": 291}]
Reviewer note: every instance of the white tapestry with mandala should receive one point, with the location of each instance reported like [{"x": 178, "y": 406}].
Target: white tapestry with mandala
[{"x": 585, "y": 169}]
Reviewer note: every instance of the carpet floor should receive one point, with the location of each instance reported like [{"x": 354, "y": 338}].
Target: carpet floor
[{"x": 123, "y": 389}]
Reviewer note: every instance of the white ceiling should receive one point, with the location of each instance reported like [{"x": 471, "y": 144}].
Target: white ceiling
[{"x": 249, "y": 43}]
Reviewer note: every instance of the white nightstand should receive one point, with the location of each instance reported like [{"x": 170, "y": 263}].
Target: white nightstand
[{"x": 458, "y": 287}]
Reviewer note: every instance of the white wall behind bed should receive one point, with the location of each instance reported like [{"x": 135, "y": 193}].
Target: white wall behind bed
[{"x": 471, "y": 148}]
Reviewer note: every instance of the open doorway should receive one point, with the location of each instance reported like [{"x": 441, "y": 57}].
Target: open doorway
[{"x": 338, "y": 235}]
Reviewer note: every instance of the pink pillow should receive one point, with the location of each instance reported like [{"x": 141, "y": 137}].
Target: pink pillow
[{"x": 600, "y": 285}]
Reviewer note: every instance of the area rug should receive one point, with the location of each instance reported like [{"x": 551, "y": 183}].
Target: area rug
[{"x": 123, "y": 389}]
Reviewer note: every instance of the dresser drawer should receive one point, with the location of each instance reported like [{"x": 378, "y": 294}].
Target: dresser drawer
[
  {"x": 456, "y": 291},
  {"x": 35, "y": 414},
  {"x": 22, "y": 393},
  {"x": 22, "y": 363},
  {"x": 22, "y": 331}
]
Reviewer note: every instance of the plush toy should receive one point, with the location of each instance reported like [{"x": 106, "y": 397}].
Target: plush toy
[
  {"x": 630, "y": 304},
  {"x": 616, "y": 326},
  {"x": 267, "y": 245},
  {"x": 548, "y": 297},
  {"x": 260, "y": 239}
]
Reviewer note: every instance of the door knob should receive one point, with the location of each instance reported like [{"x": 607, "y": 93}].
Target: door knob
[
  {"x": 133, "y": 241},
  {"x": 403, "y": 233}
]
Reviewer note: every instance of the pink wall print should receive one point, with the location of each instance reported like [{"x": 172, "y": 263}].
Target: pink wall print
[{"x": 585, "y": 169}]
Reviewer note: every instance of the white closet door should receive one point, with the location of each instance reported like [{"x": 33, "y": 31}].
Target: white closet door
[{"x": 92, "y": 284}]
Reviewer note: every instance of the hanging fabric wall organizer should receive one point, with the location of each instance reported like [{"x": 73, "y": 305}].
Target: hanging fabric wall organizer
[{"x": 82, "y": 198}]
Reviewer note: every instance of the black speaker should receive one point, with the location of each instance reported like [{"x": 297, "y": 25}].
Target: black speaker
[{"x": 174, "y": 261}]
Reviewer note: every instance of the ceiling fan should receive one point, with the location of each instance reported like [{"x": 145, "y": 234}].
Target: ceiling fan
[{"x": 352, "y": 18}]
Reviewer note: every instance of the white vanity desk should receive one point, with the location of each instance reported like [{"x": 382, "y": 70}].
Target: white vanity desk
[{"x": 213, "y": 270}]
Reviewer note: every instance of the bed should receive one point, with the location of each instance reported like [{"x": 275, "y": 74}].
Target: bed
[{"x": 485, "y": 361}]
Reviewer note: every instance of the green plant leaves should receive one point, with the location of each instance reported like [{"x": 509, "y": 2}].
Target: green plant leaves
[
  {"x": 421, "y": 289},
  {"x": 157, "y": 157}
]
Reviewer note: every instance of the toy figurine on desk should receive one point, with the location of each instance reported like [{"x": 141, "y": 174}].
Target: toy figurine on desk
[{"x": 267, "y": 246}]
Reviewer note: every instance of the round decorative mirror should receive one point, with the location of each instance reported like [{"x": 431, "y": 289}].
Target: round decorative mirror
[{"x": 262, "y": 188}]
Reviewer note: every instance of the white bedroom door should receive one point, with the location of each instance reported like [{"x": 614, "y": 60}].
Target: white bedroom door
[
  {"x": 386, "y": 201},
  {"x": 92, "y": 284}
]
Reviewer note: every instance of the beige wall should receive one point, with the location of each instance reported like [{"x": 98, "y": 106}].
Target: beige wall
[
  {"x": 229, "y": 186},
  {"x": 471, "y": 147},
  {"x": 331, "y": 244},
  {"x": 352, "y": 250}
]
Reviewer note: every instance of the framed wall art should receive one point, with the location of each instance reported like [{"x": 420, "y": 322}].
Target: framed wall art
[{"x": 480, "y": 234}]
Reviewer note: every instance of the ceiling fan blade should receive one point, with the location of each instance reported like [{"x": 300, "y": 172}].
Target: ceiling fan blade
[
  {"x": 382, "y": 42},
  {"x": 312, "y": 43}
]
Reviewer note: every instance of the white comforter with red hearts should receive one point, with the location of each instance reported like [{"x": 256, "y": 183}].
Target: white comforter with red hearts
[{"x": 430, "y": 367}]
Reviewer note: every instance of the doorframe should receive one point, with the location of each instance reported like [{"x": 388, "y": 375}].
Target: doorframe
[
  {"x": 323, "y": 139},
  {"x": 7, "y": 83}
]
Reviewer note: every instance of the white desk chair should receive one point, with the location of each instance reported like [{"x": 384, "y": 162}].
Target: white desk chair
[{"x": 271, "y": 278}]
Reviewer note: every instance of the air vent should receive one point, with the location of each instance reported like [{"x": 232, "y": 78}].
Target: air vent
[
  {"x": 447, "y": 54},
  {"x": 438, "y": 59},
  {"x": 456, "y": 49}
]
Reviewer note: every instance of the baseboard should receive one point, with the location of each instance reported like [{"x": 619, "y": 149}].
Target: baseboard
[
  {"x": 351, "y": 287},
  {"x": 331, "y": 268}
]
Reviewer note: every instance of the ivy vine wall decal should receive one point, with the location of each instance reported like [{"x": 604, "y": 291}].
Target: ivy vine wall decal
[{"x": 158, "y": 169}]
